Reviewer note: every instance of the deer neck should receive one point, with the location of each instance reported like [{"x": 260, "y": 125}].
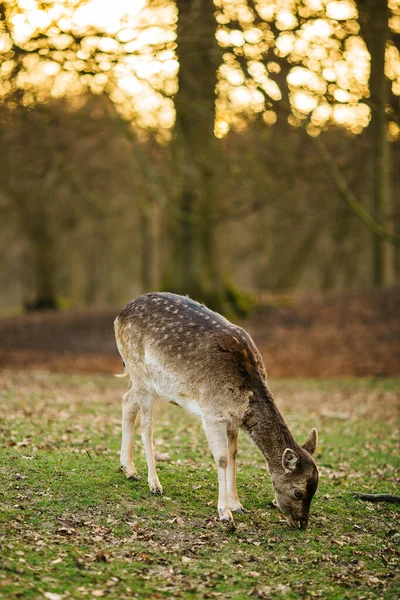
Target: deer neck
[{"x": 265, "y": 425}]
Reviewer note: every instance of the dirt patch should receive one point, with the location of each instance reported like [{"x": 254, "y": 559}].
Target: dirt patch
[
  {"x": 60, "y": 362},
  {"x": 351, "y": 334}
]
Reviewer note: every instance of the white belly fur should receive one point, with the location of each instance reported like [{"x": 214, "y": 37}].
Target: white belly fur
[{"x": 168, "y": 387}]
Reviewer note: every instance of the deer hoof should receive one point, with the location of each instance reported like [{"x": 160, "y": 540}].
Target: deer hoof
[
  {"x": 236, "y": 506},
  {"x": 240, "y": 509},
  {"x": 228, "y": 524},
  {"x": 130, "y": 473},
  {"x": 156, "y": 489},
  {"x": 225, "y": 515}
]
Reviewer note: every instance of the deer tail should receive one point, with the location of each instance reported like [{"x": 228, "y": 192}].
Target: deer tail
[
  {"x": 117, "y": 326},
  {"x": 125, "y": 372}
]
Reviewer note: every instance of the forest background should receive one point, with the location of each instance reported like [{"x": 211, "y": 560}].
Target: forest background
[{"x": 205, "y": 148}]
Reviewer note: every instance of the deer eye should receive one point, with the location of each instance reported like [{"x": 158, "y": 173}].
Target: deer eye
[{"x": 298, "y": 494}]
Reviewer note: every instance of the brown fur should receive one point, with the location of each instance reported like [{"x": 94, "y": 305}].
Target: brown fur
[{"x": 189, "y": 353}]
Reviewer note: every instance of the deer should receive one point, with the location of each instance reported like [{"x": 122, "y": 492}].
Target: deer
[{"x": 176, "y": 349}]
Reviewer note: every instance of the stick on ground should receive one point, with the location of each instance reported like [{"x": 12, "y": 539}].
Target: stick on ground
[{"x": 377, "y": 497}]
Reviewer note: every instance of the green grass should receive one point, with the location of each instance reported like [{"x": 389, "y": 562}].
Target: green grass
[{"x": 73, "y": 527}]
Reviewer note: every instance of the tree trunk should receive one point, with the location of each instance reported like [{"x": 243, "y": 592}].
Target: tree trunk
[
  {"x": 147, "y": 244},
  {"x": 374, "y": 20},
  {"x": 290, "y": 276},
  {"x": 194, "y": 267},
  {"x": 44, "y": 265}
]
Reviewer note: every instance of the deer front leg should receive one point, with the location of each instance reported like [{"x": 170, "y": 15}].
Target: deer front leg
[
  {"x": 147, "y": 439},
  {"x": 233, "y": 498},
  {"x": 130, "y": 409},
  {"x": 218, "y": 440}
]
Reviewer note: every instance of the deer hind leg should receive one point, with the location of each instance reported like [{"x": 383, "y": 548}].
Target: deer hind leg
[
  {"x": 147, "y": 406},
  {"x": 130, "y": 409},
  {"x": 216, "y": 433},
  {"x": 233, "y": 498}
]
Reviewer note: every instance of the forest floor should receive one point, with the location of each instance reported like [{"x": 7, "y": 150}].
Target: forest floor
[
  {"x": 74, "y": 527},
  {"x": 335, "y": 335}
]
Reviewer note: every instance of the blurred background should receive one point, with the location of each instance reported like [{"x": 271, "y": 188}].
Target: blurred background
[{"x": 243, "y": 152}]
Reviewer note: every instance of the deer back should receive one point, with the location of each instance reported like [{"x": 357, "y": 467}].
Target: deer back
[{"x": 175, "y": 342}]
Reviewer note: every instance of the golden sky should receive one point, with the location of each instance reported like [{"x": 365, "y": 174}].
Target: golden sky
[{"x": 135, "y": 62}]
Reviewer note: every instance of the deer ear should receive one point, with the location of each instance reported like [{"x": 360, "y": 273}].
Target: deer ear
[
  {"x": 289, "y": 460},
  {"x": 311, "y": 442}
]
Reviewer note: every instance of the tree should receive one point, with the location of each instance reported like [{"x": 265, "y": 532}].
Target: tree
[
  {"x": 194, "y": 264},
  {"x": 287, "y": 54},
  {"x": 285, "y": 60},
  {"x": 54, "y": 56},
  {"x": 374, "y": 20}
]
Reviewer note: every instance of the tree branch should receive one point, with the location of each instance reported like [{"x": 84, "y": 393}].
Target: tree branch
[{"x": 354, "y": 205}]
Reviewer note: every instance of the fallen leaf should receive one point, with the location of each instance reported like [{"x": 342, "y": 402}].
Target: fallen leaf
[
  {"x": 66, "y": 530},
  {"x": 102, "y": 556},
  {"x": 162, "y": 456},
  {"x": 330, "y": 414},
  {"x": 185, "y": 560}
]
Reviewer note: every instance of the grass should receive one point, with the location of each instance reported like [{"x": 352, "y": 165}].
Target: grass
[{"x": 73, "y": 527}]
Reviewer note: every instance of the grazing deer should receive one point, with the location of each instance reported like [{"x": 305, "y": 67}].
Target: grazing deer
[{"x": 181, "y": 351}]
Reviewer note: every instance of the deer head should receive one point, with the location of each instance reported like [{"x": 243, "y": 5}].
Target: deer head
[{"x": 296, "y": 482}]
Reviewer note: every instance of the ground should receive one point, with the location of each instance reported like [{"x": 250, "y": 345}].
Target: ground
[{"x": 74, "y": 527}]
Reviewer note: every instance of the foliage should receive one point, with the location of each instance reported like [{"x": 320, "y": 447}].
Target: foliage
[
  {"x": 309, "y": 58},
  {"x": 64, "y": 49},
  {"x": 73, "y": 526}
]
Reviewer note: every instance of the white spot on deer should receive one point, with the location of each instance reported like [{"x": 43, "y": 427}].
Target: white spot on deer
[{"x": 129, "y": 325}]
